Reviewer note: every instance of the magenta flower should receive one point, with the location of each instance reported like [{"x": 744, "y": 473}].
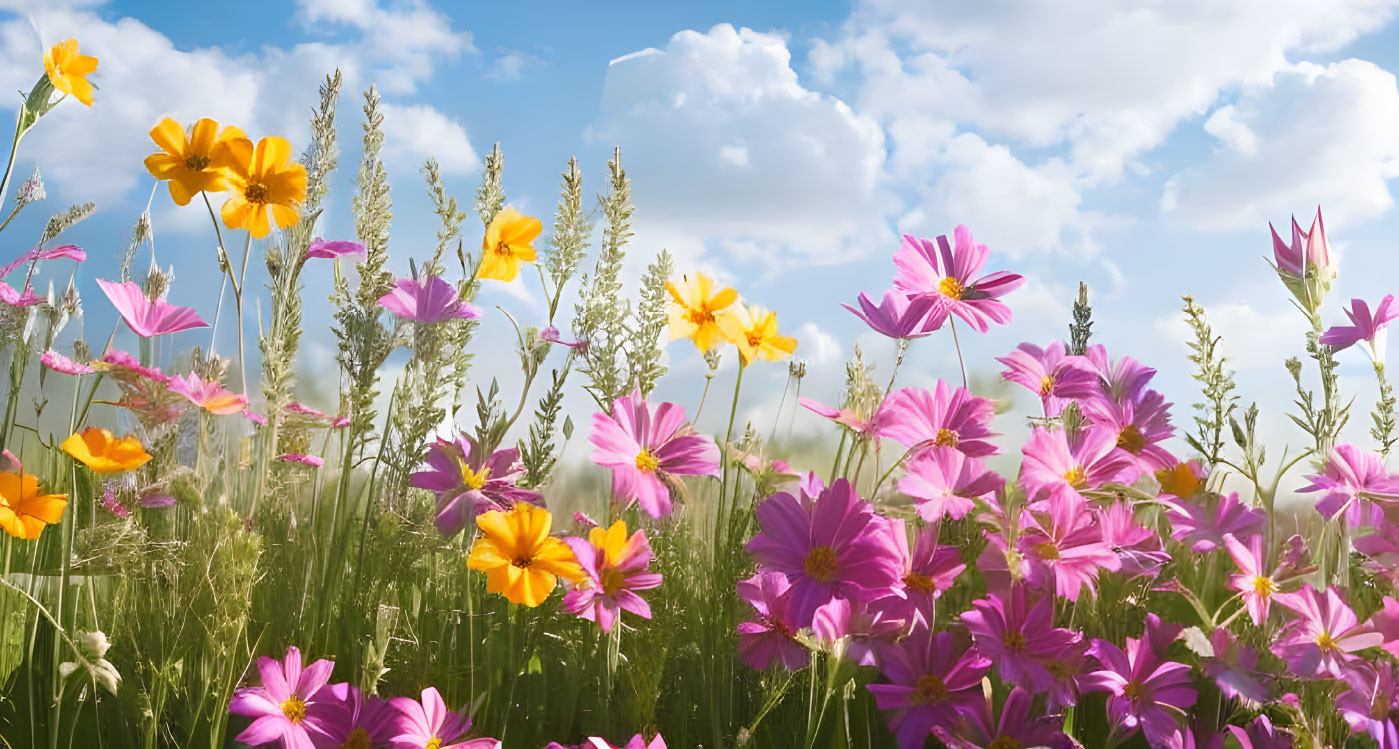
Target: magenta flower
[
  {"x": 468, "y": 482},
  {"x": 1058, "y": 465},
  {"x": 26, "y": 296},
  {"x": 148, "y": 317},
  {"x": 309, "y": 460},
  {"x": 896, "y": 316},
  {"x": 1018, "y": 636},
  {"x": 1066, "y": 543},
  {"x": 1234, "y": 667},
  {"x": 1260, "y": 735},
  {"x": 210, "y": 396},
  {"x": 1204, "y": 528},
  {"x": 1320, "y": 641},
  {"x": 1369, "y": 330},
  {"x": 594, "y": 742},
  {"x": 868, "y": 627},
  {"x": 847, "y": 417},
  {"x": 365, "y": 721},
  {"x": 1138, "y": 548},
  {"x": 934, "y": 269},
  {"x": 430, "y": 723},
  {"x": 1145, "y": 692},
  {"x": 330, "y": 249},
  {"x": 1305, "y": 265},
  {"x": 1255, "y": 584},
  {"x": 1051, "y": 374},
  {"x": 614, "y": 568},
  {"x": 429, "y": 301},
  {"x": 1352, "y": 478},
  {"x": 929, "y": 570},
  {"x": 932, "y": 682},
  {"x": 60, "y": 363},
  {"x": 945, "y": 481},
  {"x": 833, "y": 546},
  {"x": 646, "y": 445},
  {"x": 772, "y": 637},
  {"x": 1386, "y": 622},
  {"x": 1121, "y": 380},
  {"x": 947, "y": 417},
  {"x": 123, "y": 366},
  {"x": 1140, "y": 425},
  {"x": 292, "y": 705},
  {"x": 551, "y": 334},
  {"x": 1020, "y": 724},
  {"x": 1065, "y": 668},
  {"x": 1371, "y": 703}
]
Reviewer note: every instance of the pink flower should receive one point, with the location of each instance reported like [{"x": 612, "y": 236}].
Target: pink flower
[
  {"x": 1234, "y": 668},
  {"x": 1296, "y": 261},
  {"x": 26, "y": 297},
  {"x": 210, "y": 396},
  {"x": 614, "y": 568},
  {"x": 935, "y": 270},
  {"x": 1204, "y": 528},
  {"x": 1255, "y": 585},
  {"x": 330, "y": 249},
  {"x": 255, "y": 418},
  {"x": 1052, "y": 375},
  {"x": 1020, "y": 724},
  {"x": 867, "y": 627},
  {"x": 947, "y": 417},
  {"x": 645, "y": 445},
  {"x": 1067, "y": 542},
  {"x": 364, "y": 722},
  {"x": 1366, "y": 329},
  {"x": 1138, "y": 548},
  {"x": 637, "y": 742},
  {"x": 772, "y": 637},
  {"x": 468, "y": 482},
  {"x": 827, "y": 546},
  {"x": 1260, "y": 735},
  {"x": 1061, "y": 466},
  {"x": 1018, "y": 636},
  {"x": 896, "y": 316},
  {"x": 293, "y": 704},
  {"x": 430, "y": 723},
  {"x": 125, "y": 366},
  {"x": 429, "y": 301},
  {"x": 1122, "y": 380},
  {"x": 1139, "y": 425},
  {"x": 847, "y": 417},
  {"x": 1146, "y": 692},
  {"x": 147, "y": 317},
  {"x": 551, "y": 334},
  {"x": 310, "y": 460},
  {"x": 1320, "y": 641},
  {"x": 932, "y": 682},
  {"x": 929, "y": 570},
  {"x": 1371, "y": 703},
  {"x": 60, "y": 363},
  {"x": 945, "y": 481},
  {"x": 1351, "y": 478}
]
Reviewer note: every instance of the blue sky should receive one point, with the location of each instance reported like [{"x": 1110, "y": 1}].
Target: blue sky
[{"x": 1141, "y": 147}]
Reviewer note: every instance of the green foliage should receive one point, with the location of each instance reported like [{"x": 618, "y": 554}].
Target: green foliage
[{"x": 1216, "y": 383}]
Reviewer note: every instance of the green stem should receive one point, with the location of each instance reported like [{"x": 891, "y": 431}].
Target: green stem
[{"x": 720, "y": 520}]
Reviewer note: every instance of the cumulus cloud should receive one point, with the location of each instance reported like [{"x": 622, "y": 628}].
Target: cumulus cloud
[
  {"x": 414, "y": 132},
  {"x": 407, "y": 39}
]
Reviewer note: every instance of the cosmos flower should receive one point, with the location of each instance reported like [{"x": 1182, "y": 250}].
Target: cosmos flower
[
  {"x": 1067, "y": 542},
  {"x": 60, "y": 363},
  {"x": 261, "y": 178},
  {"x": 896, "y": 316},
  {"x": 507, "y": 243},
  {"x": 293, "y": 704},
  {"x": 1140, "y": 424},
  {"x": 1204, "y": 528},
  {"x": 1145, "y": 692},
  {"x": 1061, "y": 465},
  {"x": 753, "y": 330},
  {"x": 314, "y": 461},
  {"x": 26, "y": 297},
  {"x": 210, "y": 396},
  {"x": 102, "y": 452},
  {"x": 1351, "y": 479},
  {"x": 1234, "y": 667},
  {"x": 428, "y": 301},
  {"x": 866, "y": 628},
  {"x": 364, "y": 722},
  {"x": 935, "y": 269},
  {"x": 847, "y": 417},
  {"x": 1122, "y": 380},
  {"x": 468, "y": 482},
  {"x": 694, "y": 307},
  {"x": 931, "y": 682},
  {"x": 521, "y": 560},
  {"x": 430, "y": 724},
  {"x": 1369, "y": 330},
  {"x": 945, "y": 482},
  {"x": 1051, "y": 374},
  {"x": 24, "y": 510},
  {"x": 1138, "y": 548},
  {"x": 1371, "y": 703},
  {"x": 645, "y": 445},
  {"x": 1321, "y": 640},
  {"x": 187, "y": 158},
  {"x": 145, "y": 316},
  {"x": 1260, "y": 735},
  {"x": 1018, "y": 635},
  {"x": 772, "y": 636},
  {"x": 594, "y": 742},
  {"x": 1255, "y": 584},
  {"x": 68, "y": 71},
  {"x": 947, "y": 417},
  {"x": 929, "y": 570},
  {"x": 1019, "y": 724},
  {"x": 333, "y": 249},
  {"x": 614, "y": 568}
]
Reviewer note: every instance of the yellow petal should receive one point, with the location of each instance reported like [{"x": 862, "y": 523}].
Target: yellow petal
[
  {"x": 169, "y": 137},
  {"x": 203, "y": 136}
]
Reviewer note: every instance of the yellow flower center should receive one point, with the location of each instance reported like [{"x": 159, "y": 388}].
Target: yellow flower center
[
  {"x": 474, "y": 480},
  {"x": 946, "y": 438},
  {"x": 1132, "y": 690},
  {"x": 1324, "y": 641},
  {"x": 522, "y": 562},
  {"x": 1013, "y": 641},
  {"x": 951, "y": 287},
  {"x": 612, "y": 581},
  {"x": 1046, "y": 385},
  {"x": 1047, "y": 550},
  {"x": 1005, "y": 742},
  {"x": 295, "y": 709},
  {"x": 1075, "y": 477},
  {"x": 1264, "y": 586},
  {"x": 358, "y": 739},
  {"x": 699, "y": 316},
  {"x": 197, "y": 163},
  {"x": 928, "y": 690},
  {"x": 821, "y": 564},
  {"x": 433, "y": 744},
  {"x": 646, "y": 462},
  {"x": 1131, "y": 440},
  {"x": 256, "y": 192},
  {"x": 920, "y": 583}
]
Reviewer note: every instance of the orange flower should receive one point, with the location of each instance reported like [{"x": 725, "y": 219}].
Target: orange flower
[
  {"x": 103, "y": 453},
  {"x": 1181, "y": 480},
  {"x": 68, "y": 70},
  {"x": 508, "y": 242},
  {"x": 23, "y": 510},
  {"x": 187, "y": 161},
  {"x": 694, "y": 305},
  {"x": 754, "y": 330},
  {"x": 521, "y": 560},
  {"x": 261, "y": 178}
]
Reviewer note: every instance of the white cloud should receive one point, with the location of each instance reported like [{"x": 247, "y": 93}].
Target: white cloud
[
  {"x": 817, "y": 347},
  {"x": 1317, "y": 135},
  {"x": 511, "y": 65},
  {"x": 1250, "y": 339},
  {"x": 414, "y": 132},
  {"x": 408, "y": 38}
]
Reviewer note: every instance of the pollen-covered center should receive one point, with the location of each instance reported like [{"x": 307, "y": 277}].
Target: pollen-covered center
[
  {"x": 928, "y": 690},
  {"x": 1075, "y": 477},
  {"x": 1013, "y": 641},
  {"x": 294, "y": 708},
  {"x": 951, "y": 287},
  {"x": 821, "y": 564},
  {"x": 358, "y": 739},
  {"x": 197, "y": 163},
  {"x": 474, "y": 479},
  {"x": 921, "y": 583},
  {"x": 436, "y": 743},
  {"x": 523, "y": 562},
  {"x": 612, "y": 580},
  {"x": 1132, "y": 690},
  {"x": 1005, "y": 742},
  {"x": 699, "y": 316},
  {"x": 1046, "y": 550},
  {"x": 1046, "y": 385},
  {"x": 1324, "y": 641},
  {"x": 647, "y": 462},
  {"x": 256, "y": 192},
  {"x": 946, "y": 438},
  {"x": 1131, "y": 440},
  {"x": 1264, "y": 586}
]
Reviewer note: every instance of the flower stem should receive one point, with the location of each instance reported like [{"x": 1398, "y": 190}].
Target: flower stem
[
  {"x": 960, "y": 361},
  {"x": 238, "y": 308},
  {"x": 719, "y": 521}
]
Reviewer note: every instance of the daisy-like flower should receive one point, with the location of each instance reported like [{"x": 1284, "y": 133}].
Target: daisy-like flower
[
  {"x": 945, "y": 482},
  {"x": 430, "y": 724},
  {"x": 1139, "y": 424},
  {"x": 931, "y": 682},
  {"x": 1050, "y": 373},
  {"x": 1058, "y": 465},
  {"x": 364, "y": 723},
  {"x": 1255, "y": 584},
  {"x": 930, "y": 570},
  {"x": 68, "y": 70},
  {"x": 754, "y": 331},
  {"x": 261, "y": 178},
  {"x": 1321, "y": 640},
  {"x": 695, "y": 304},
  {"x": 60, "y": 363},
  {"x": 833, "y": 546},
  {"x": 1367, "y": 329},
  {"x": 1145, "y": 692},
  {"x": 938, "y": 270},
  {"x": 1019, "y": 724},
  {"x": 102, "y": 452},
  {"x": 1067, "y": 542},
  {"x": 865, "y": 628},
  {"x": 896, "y": 316},
  {"x": 145, "y": 316},
  {"x": 187, "y": 158},
  {"x": 428, "y": 301},
  {"x": 848, "y": 417},
  {"x": 645, "y": 446},
  {"x": 26, "y": 297},
  {"x": 1260, "y": 735},
  {"x": 1234, "y": 667},
  {"x": 509, "y": 241},
  {"x": 947, "y": 417},
  {"x": 614, "y": 568},
  {"x": 1181, "y": 480},
  {"x": 1121, "y": 380},
  {"x": 293, "y": 705},
  {"x": 468, "y": 482},
  {"x": 24, "y": 510},
  {"x": 1204, "y": 528},
  {"x": 772, "y": 636},
  {"x": 1138, "y": 548},
  {"x": 1350, "y": 480},
  {"x": 594, "y": 742},
  {"x": 210, "y": 396},
  {"x": 1305, "y": 265},
  {"x": 521, "y": 560},
  {"x": 1017, "y": 635},
  {"x": 334, "y": 249},
  {"x": 1371, "y": 702}
]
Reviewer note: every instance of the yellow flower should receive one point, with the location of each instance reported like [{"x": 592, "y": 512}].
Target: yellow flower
[
  {"x": 693, "y": 308},
  {"x": 754, "y": 330},
  {"x": 521, "y": 560},
  {"x": 1180, "y": 479},
  {"x": 187, "y": 159},
  {"x": 103, "y": 453},
  {"x": 68, "y": 70},
  {"x": 507, "y": 244},
  {"x": 23, "y": 510},
  {"x": 261, "y": 178}
]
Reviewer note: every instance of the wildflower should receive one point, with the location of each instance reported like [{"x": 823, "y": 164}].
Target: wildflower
[
  {"x": 521, "y": 560},
  {"x": 896, "y": 316},
  {"x": 430, "y": 724},
  {"x": 1234, "y": 667},
  {"x": 1320, "y": 641},
  {"x": 26, "y": 297},
  {"x": 1306, "y": 270},
  {"x": 293, "y": 704},
  {"x": 1019, "y": 724},
  {"x": 1067, "y": 542},
  {"x": 1204, "y": 528},
  {"x": 637, "y": 742},
  {"x": 614, "y": 568},
  {"x": 24, "y": 510},
  {"x": 1386, "y": 622},
  {"x": 261, "y": 178},
  {"x": 68, "y": 70},
  {"x": 1139, "y": 549},
  {"x": 468, "y": 482},
  {"x": 102, "y": 452},
  {"x": 1350, "y": 479},
  {"x": 551, "y": 334},
  {"x": 945, "y": 482},
  {"x": 934, "y": 269},
  {"x": 833, "y": 546},
  {"x": 931, "y": 682},
  {"x": 1146, "y": 692},
  {"x": 1017, "y": 635},
  {"x": 865, "y": 628},
  {"x": 947, "y": 417},
  {"x": 430, "y": 301},
  {"x": 210, "y": 396},
  {"x": 1061, "y": 465},
  {"x": 187, "y": 159},
  {"x": 1254, "y": 585},
  {"x": 772, "y": 638},
  {"x": 334, "y": 249},
  {"x": 508, "y": 242},
  {"x": 754, "y": 330},
  {"x": 694, "y": 309},
  {"x": 314, "y": 461},
  {"x": 148, "y": 317},
  {"x": 1065, "y": 669},
  {"x": 645, "y": 445},
  {"x": 1049, "y": 373},
  {"x": 1371, "y": 703},
  {"x": 122, "y": 366},
  {"x": 1181, "y": 480},
  {"x": 1260, "y": 735},
  {"x": 60, "y": 363},
  {"x": 255, "y": 417},
  {"x": 1366, "y": 329},
  {"x": 929, "y": 571},
  {"x": 1140, "y": 424},
  {"x": 847, "y": 417},
  {"x": 365, "y": 721}
]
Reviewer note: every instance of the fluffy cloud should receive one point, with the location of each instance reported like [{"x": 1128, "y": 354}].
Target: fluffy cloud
[
  {"x": 413, "y": 133},
  {"x": 1316, "y": 135},
  {"x": 407, "y": 39}
]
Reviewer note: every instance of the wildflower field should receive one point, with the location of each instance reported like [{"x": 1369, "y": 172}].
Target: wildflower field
[{"x": 194, "y": 558}]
